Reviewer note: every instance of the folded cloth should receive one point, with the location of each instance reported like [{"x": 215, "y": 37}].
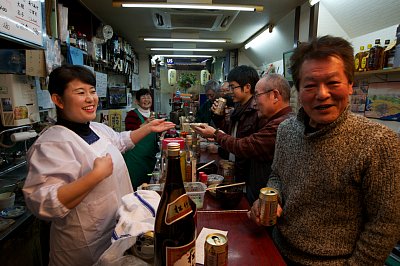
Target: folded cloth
[
  {"x": 135, "y": 217},
  {"x": 137, "y": 214}
]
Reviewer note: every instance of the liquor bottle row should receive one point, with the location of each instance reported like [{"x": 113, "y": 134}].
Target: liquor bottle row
[{"x": 379, "y": 57}]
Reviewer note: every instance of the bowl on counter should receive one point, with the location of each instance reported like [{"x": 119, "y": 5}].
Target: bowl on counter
[
  {"x": 7, "y": 200},
  {"x": 214, "y": 179},
  {"x": 229, "y": 197}
]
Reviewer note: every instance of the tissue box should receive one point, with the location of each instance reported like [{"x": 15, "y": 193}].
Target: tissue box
[{"x": 196, "y": 191}]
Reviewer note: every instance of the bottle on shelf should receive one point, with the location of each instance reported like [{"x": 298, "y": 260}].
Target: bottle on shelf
[
  {"x": 389, "y": 54},
  {"x": 175, "y": 226},
  {"x": 364, "y": 60},
  {"x": 72, "y": 36},
  {"x": 375, "y": 56},
  {"x": 396, "y": 60},
  {"x": 358, "y": 59}
]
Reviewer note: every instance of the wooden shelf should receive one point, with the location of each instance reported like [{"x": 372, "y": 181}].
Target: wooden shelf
[{"x": 377, "y": 72}]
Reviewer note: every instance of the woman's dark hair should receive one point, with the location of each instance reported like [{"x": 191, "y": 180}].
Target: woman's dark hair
[
  {"x": 61, "y": 76},
  {"x": 142, "y": 92},
  {"x": 244, "y": 74},
  {"x": 322, "y": 48}
]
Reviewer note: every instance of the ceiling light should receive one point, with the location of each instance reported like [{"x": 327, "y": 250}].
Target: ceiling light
[
  {"x": 188, "y": 6},
  {"x": 313, "y": 2},
  {"x": 259, "y": 36},
  {"x": 186, "y": 49},
  {"x": 184, "y": 40},
  {"x": 184, "y": 55}
]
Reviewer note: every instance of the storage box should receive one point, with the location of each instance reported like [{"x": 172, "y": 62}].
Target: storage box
[{"x": 196, "y": 191}]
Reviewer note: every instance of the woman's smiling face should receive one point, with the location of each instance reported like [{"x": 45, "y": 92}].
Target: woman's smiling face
[
  {"x": 145, "y": 101},
  {"x": 79, "y": 102}
]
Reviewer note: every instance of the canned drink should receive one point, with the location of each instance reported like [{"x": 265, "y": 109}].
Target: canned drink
[
  {"x": 227, "y": 170},
  {"x": 153, "y": 114},
  {"x": 144, "y": 246},
  {"x": 268, "y": 203},
  {"x": 220, "y": 110},
  {"x": 216, "y": 250}
]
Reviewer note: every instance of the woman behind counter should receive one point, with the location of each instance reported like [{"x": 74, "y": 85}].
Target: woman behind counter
[
  {"x": 142, "y": 159},
  {"x": 77, "y": 175}
]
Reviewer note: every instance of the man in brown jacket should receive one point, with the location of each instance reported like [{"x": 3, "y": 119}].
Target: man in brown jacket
[{"x": 253, "y": 125}]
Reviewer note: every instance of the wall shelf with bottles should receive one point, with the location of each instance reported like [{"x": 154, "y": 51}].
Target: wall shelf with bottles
[{"x": 381, "y": 75}]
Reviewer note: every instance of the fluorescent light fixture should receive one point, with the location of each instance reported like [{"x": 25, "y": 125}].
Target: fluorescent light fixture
[
  {"x": 188, "y": 6},
  {"x": 259, "y": 37},
  {"x": 148, "y": 39},
  {"x": 313, "y": 2},
  {"x": 186, "y": 49},
  {"x": 184, "y": 55}
]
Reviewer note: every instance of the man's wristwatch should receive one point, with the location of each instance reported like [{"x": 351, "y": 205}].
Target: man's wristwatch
[{"x": 215, "y": 133}]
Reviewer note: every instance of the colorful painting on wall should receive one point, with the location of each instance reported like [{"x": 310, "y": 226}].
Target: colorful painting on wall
[{"x": 383, "y": 101}]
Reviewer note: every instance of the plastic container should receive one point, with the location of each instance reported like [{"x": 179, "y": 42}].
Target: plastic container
[{"x": 196, "y": 191}]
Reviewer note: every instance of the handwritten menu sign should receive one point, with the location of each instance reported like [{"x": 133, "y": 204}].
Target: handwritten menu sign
[{"x": 22, "y": 20}]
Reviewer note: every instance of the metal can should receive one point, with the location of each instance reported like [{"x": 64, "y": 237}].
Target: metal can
[
  {"x": 227, "y": 170},
  {"x": 220, "y": 110},
  {"x": 144, "y": 246},
  {"x": 268, "y": 203},
  {"x": 216, "y": 250}
]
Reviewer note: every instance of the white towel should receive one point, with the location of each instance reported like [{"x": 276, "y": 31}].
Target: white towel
[{"x": 135, "y": 217}]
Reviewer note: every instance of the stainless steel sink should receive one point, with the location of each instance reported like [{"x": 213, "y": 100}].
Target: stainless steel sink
[{"x": 12, "y": 177}]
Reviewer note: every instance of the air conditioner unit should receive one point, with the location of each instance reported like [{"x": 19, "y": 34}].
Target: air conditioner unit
[{"x": 211, "y": 20}]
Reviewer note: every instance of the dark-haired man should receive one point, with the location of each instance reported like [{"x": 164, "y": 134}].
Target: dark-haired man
[{"x": 337, "y": 173}]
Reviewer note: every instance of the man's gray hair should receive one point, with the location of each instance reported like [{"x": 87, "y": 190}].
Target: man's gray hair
[
  {"x": 212, "y": 85},
  {"x": 280, "y": 83}
]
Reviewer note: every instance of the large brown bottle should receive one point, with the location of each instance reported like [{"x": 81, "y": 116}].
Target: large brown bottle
[{"x": 175, "y": 227}]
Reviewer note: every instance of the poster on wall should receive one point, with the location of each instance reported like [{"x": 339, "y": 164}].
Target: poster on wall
[
  {"x": 359, "y": 98},
  {"x": 22, "y": 21},
  {"x": 383, "y": 101}
]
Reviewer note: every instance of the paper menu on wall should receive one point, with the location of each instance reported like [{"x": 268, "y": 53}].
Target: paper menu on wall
[
  {"x": 101, "y": 84},
  {"x": 35, "y": 63}
]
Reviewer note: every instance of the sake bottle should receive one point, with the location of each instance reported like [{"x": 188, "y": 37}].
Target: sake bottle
[{"x": 175, "y": 227}]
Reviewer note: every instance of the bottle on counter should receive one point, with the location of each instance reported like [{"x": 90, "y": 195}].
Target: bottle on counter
[
  {"x": 190, "y": 160},
  {"x": 375, "y": 56},
  {"x": 396, "y": 60},
  {"x": 72, "y": 36},
  {"x": 389, "y": 54},
  {"x": 175, "y": 227}
]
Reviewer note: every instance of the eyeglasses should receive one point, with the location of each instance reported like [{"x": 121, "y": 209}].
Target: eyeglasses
[
  {"x": 231, "y": 88},
  {"x": 261, "y": 93}
]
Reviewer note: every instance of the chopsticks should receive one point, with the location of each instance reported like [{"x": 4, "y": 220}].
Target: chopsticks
[
  {"x": 230, "y": 185},
  {"x": 201, "y": 167}
]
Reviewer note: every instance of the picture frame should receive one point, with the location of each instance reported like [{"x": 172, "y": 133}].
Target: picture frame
[{"x": 286, "y": 65}]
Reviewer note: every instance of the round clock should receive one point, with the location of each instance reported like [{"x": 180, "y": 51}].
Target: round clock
[{"x": 107, "y": 32}]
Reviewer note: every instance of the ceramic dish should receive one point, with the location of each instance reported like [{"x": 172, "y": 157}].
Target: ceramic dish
[{"x": 12, "y": 212}]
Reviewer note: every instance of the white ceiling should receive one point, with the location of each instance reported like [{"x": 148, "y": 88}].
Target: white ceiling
[{"x": 356, "y": 17}]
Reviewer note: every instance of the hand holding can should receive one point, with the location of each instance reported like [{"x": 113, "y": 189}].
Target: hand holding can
[
  {"x": 268, "y": 204},
  {"x": 219, "y": 108}
]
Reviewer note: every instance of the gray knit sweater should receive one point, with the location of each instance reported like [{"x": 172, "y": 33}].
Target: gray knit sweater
[{"x": 340, "y": 191}]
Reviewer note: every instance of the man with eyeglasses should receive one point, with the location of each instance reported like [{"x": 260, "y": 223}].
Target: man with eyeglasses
[
  {"x": 250, "y": 137},
  {"x": 337, "y": 173}
]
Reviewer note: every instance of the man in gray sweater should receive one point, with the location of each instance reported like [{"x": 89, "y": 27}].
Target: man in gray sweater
[{"x": 337, "y": 173}]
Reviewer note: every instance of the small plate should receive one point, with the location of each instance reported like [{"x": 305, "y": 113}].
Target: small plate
[{"x": 12, "y": 212}]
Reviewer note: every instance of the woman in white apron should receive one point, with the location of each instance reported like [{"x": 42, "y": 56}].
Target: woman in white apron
[{"x": 77, "y": 175}]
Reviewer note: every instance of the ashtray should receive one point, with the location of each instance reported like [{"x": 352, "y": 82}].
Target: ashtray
[{"x": 12, "y": 212}]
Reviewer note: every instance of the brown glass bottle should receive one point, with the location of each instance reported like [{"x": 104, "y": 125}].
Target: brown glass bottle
[
  {"x": 358, "y": 59},
  {"x": 175, "y": 227},
  {"x": 375, "y": 56}
]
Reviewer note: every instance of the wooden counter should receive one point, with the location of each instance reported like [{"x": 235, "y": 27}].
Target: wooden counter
[{"x": 248, "y": 244}]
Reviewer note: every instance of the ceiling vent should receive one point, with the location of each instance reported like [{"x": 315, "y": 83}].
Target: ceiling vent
[{"x": 211, "y": 20}]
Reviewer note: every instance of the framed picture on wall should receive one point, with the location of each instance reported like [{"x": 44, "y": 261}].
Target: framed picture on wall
[{"x": 286, "y": 65}]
